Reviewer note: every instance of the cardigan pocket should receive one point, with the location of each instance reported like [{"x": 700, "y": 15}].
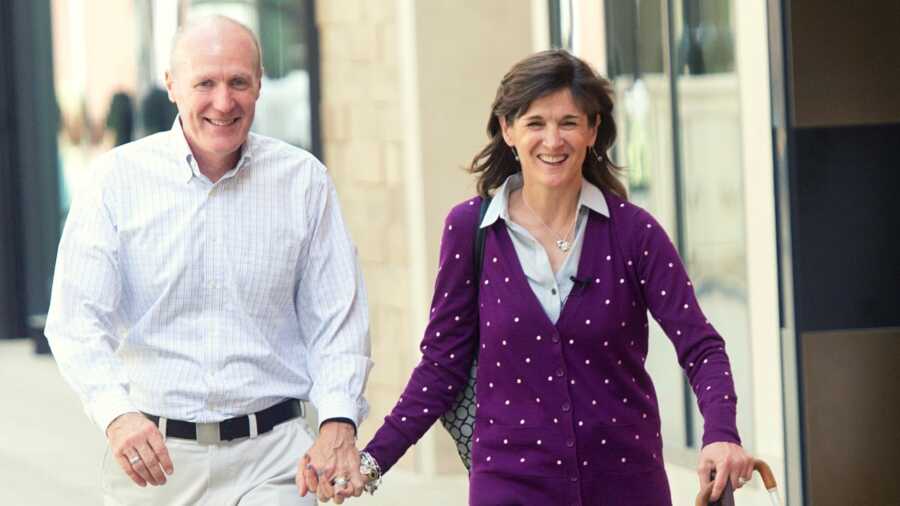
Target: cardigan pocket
[
  {"x": 531, "y": 451},
  {"x": 622, "y": 449}
]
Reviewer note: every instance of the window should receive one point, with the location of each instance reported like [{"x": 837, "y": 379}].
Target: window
[
  {"x": 109, "y": 62},
  {"x": 679, "y": 139},
  {"x": 288, "y": 107}
]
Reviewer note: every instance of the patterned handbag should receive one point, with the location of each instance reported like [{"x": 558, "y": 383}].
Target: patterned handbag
[{"x": 459, "y": 420}]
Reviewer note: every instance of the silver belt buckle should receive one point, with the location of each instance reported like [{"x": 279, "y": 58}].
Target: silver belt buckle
[{"x": 208, "y": 433}]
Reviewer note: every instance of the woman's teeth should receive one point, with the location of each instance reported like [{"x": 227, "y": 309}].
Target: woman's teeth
[{"x": 552, "y": 159}]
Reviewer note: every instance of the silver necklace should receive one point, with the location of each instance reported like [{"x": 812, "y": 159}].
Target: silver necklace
[{"x": 562, "y": 243}]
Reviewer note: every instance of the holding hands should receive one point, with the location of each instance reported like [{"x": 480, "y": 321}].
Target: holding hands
[{"x": 331, "y": 467}]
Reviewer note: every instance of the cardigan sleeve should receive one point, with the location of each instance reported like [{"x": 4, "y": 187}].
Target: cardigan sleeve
[
  {"x": 448, "y": 346},
  {"x": 669, "y": 295}
]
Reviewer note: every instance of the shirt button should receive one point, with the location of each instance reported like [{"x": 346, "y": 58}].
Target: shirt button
[
  {"x": 566, "y": 407},
  {"x": 560, "y": 373},
  {"x": 570, "y": 443},
  {"x": 553, "y": 291}
]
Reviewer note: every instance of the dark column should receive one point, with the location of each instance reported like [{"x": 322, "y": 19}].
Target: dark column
[
  {"x": 12, "y": 318},
  {"x": 31, "y": 162},
  {"x": 837, "y": 121}
]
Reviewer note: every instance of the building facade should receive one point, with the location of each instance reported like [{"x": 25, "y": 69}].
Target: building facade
[{"x": 765, "y": 148}]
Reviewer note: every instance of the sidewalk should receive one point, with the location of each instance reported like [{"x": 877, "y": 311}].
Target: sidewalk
[{"x": 50, "y": 452}]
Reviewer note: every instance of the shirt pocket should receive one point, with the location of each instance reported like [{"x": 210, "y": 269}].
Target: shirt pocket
[{"x": 264, "y": 271}]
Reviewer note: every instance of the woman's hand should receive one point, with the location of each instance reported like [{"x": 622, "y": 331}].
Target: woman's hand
[
  {"x": 729, "y": 461},
  {"x": 331, "y": 467}
]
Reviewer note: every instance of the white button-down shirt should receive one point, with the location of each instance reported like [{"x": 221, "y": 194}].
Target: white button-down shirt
[
  {"x": 551, "y": 289},
  {"x": 202, "y": 301}
]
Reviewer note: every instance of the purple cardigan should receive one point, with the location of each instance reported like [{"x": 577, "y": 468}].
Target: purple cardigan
[{"x": 567, "y": 413}]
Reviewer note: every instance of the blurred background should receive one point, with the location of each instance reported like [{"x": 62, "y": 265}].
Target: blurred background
[{"x": 761, "y": 134}]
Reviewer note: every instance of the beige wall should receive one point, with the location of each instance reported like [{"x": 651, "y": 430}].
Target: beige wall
[
  {"x": 463, "y": 51},
  {"x": 406, "y": 93},
  {"x": 363, "y": 146}
]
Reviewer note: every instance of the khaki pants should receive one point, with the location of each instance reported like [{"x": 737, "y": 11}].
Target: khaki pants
[{"x": 245, "y": 472}]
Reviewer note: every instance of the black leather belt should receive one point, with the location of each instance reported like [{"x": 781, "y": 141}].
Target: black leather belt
[{"x": 233, "y": 428}]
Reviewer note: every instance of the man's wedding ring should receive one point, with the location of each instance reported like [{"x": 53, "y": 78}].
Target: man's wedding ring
[
  {"x": 741, "y": 480},
  {"x": 340, "y": 482},
  {"x": 134, "y": 459}
]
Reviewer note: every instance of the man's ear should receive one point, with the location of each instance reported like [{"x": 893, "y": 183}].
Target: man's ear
[{"x": 170, "y": 83}]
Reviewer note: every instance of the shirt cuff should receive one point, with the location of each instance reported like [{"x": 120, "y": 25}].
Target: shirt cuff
[
  {"x": 340, "y": 419},
  {"x": 107, "y": 408},
  {"x": 336, "y": 406}
]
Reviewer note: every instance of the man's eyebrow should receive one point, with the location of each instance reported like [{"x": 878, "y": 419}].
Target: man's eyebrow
[{"x": 212, "y": 76}]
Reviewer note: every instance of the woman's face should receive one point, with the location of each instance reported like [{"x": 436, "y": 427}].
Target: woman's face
[{"x": 552, "y": 139}]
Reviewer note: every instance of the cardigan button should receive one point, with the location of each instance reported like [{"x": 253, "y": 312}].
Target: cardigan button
[
  {"x": 560, "y": 373},
  {"x": 570, "y": 443},
  {"x": 555, "y": 338},
  {"x": 566, "y": 407}
]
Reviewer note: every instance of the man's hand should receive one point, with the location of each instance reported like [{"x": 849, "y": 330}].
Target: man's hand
[
  {"x": 332, "y": 458},
  {"x": 139, "y": 449},
  {"x": 729, "y": 461}
]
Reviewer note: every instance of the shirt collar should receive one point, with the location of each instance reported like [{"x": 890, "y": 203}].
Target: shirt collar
[
  {"x": 189, "y": 169},
  {"x": 182, "y": 151},
  {"x": 590, "y": 197}
]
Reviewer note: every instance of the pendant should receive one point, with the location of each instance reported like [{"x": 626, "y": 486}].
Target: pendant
[{"x": 563, "y": 245}]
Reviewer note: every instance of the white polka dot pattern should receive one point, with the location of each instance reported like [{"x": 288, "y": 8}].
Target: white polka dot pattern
[{"x": 566, "y": 390}]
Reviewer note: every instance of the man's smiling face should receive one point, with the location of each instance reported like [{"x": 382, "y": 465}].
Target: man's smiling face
[{"x": 215, "y": 82}]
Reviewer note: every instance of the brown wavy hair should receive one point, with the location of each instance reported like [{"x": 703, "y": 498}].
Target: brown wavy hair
[{"x": 537, "y": 76}]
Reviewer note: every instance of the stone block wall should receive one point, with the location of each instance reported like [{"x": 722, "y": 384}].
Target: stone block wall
[
  {"x": 363, "y": 149},
  {"x": 406, "y": 89}
]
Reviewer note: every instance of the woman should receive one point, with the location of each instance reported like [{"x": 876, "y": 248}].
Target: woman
[{"x": 566, "y": 411}]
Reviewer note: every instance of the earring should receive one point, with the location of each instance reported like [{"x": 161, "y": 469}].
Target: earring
[
  {"x": 515, "y": 153},
  {"x": 596, "y": 154}
]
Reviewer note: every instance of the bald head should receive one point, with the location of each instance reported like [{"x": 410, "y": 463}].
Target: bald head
[
  {"x": 206, "y": 30},
  {"x": 215, "y": 80}
]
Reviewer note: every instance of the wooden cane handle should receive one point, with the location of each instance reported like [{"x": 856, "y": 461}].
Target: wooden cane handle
[{"x": 765, "y": 472}]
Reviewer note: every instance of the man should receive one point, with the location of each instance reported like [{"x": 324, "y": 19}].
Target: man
[{"x": 205, "y": 282}]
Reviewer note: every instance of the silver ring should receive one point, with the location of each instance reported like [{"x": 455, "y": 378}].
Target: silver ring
[
  {"x": 340, "y": 482},
  {"x": 134, "y": 459},
  {"x": 741, "y": 480}
]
